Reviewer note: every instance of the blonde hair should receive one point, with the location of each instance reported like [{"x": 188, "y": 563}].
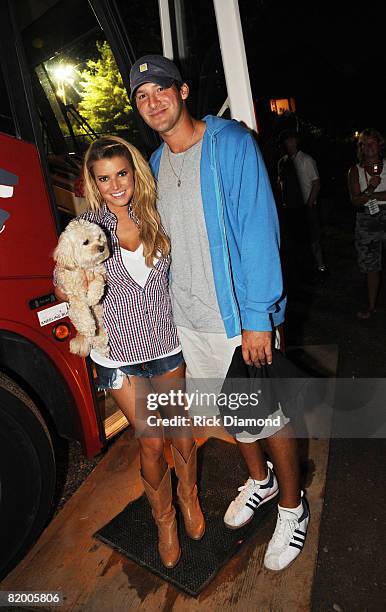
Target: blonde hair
[
  {"x": 143, "y": 202},
  {"x": 370, "y": 133}
]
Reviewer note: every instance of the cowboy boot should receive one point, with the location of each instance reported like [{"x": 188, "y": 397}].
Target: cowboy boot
[
  {"x": 165, "y": 517},
  {"x": 187, "y": 493}
]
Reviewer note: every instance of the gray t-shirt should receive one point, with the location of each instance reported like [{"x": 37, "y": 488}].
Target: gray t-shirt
[{"x": 192, "y": 287}]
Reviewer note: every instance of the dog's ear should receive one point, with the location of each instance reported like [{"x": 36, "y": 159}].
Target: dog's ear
[{"x": 64, "y": 252}]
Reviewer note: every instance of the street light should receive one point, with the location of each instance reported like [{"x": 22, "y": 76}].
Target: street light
[{"x": 63, "y": 74}]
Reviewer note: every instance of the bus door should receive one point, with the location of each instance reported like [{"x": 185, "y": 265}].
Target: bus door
[
  {"x": 78, "y": 72},
  {"x": 74, "y": 61},
  {"x": 64, "y": 81}
]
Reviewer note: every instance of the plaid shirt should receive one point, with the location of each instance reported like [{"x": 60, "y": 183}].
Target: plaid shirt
[{"x": 138, "y": 319}]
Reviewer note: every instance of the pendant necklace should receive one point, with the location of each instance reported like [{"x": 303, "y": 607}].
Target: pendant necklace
[{"x": 178, "y": 176}]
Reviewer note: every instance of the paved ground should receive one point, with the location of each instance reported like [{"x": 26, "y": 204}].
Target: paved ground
[{"x": 351, "y": 570}]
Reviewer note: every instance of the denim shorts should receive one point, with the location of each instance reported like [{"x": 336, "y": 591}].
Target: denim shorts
[{"x": 112, "y": 378}]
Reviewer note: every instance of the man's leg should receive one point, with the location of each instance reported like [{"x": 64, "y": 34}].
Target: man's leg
[
  {"x": 207, "y": 357},
  {"x": 318, "y": 256},
  {"x": 253, "y": 456},
  {"x": 283, "y": 450},
  {"x": 293, "y": 516},
  {"x": 315, "y": 237},
  {"x": 210, "y": 355}
]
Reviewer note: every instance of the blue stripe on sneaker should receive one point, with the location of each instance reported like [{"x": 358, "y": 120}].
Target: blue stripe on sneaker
[
  {"x": 305, "y": 511},
  {"x": 270, "y": 481}
]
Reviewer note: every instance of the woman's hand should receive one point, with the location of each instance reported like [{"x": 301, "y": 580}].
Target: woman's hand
[
  {"x": 374, "y": 181},
  {"x": 87, "y": 278},
  {"x": 60, "y": 295}
]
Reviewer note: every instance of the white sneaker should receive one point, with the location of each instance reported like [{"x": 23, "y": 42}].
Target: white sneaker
[
  {"x": 252, "y": 495},
  {"x": 288, "y": 539}
]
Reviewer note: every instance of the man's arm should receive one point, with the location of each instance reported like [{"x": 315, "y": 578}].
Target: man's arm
[
  {"x": 314, "y": 193},
  {"x": 259, "y": 253},
  {"x": 311, "y": 172},
  {"x": 280, "y": 183}
]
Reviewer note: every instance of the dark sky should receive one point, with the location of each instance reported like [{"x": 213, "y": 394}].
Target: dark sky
[{"x": 329, "y": 55}]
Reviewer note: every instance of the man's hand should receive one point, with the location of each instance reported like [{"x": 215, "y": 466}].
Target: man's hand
[{"x": 257, "y": 347}]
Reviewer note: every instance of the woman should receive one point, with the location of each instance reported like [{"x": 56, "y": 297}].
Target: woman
[
  {"x": 367, "y": 186},
  {"x": 145, "y": 355}
]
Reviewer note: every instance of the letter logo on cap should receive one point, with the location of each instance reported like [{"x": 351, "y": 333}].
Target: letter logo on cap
[{"x": 143, "y": 68}]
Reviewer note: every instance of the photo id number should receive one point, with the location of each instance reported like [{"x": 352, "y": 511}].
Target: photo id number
[{"x": 30, "y": 598}]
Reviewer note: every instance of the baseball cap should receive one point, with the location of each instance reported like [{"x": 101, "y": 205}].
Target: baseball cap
[{"x": 153, "y": 69}]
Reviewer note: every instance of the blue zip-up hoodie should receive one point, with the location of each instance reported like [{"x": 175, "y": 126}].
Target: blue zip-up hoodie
[{"x": 242, "y": 226}]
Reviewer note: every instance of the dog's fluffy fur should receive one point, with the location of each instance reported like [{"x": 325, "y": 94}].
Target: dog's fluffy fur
[{"x": 81, "y": 249}]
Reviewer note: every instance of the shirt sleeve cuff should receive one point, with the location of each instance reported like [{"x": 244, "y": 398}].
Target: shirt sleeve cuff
[{"x": 256, "y": 321}]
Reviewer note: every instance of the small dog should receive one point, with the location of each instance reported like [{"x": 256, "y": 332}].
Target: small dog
[{"x": 80, "y": 274}]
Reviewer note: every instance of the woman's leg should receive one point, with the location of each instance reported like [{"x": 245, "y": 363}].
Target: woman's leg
[
  {"x": 184, "y": 451},
  {"x": 373, "y": 286},
  {"x": 174, "y": 381},
  {"x": 131, "y": 399},
  {"x": 368, "y": 244}
]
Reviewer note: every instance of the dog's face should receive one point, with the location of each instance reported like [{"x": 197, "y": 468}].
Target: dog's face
[{"x": 82, "y": 245}]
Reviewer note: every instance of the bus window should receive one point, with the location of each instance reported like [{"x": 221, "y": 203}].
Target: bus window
[
  {"x": 6, "y": 121},
  {"x": 86, "y": 93},
  {"x": 78, "y": 90},
  {"x": 197, "y": 51}
]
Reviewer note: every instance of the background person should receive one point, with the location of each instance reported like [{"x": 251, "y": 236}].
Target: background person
[
  {"x": 299, "y": 183},
  {"x": 367, "y": 184},
  {"x": 216, "y": 205},
  {"x": 145, "y": 354}
]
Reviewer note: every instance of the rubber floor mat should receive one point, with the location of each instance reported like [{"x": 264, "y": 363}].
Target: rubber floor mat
[{"x": 133, "y": 532}]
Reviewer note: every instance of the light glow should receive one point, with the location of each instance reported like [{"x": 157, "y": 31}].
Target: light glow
[{"x": 63, "y": 72}]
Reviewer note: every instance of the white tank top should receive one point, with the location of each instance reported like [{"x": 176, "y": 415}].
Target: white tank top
[{"x": 364, "y": 179}]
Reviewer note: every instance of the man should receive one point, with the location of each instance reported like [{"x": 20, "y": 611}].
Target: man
[
  {"x": 300, "y": 185},
  {"x": 216, "y": 205}
]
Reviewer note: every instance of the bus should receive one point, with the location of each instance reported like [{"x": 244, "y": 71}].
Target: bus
[{"x": 64, "y": 81}]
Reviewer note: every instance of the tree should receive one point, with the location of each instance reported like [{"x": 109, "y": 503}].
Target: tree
[{"x": 104, "y": 102}]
